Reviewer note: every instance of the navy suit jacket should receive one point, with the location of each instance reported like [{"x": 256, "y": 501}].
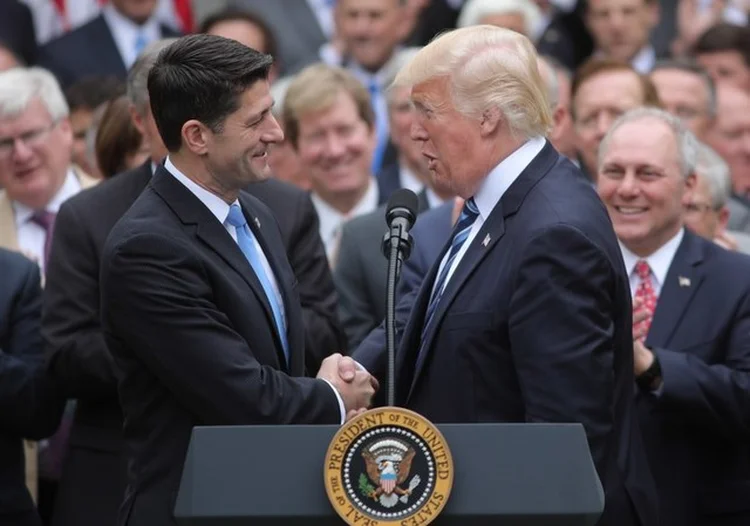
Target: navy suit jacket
[
  {"x": 193, "y": 337},
  {"x": 87, "y": 51},
  {"x": 535, "y": 325},
  {"x": 697, "y": 431},
  {"x": 22, "y": 386}
]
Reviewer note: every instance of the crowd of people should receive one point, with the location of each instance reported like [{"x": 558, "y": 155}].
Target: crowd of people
[{"x": 191, "y": 231}]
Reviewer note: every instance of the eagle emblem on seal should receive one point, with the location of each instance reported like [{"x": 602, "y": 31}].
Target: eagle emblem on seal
[{"x": 388, "y": 463}]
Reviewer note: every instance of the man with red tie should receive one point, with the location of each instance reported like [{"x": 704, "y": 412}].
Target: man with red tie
[{"x": 691, "y": 324}]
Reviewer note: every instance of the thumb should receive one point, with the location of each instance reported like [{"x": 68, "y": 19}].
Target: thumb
[{"x": 347, "y": 369}]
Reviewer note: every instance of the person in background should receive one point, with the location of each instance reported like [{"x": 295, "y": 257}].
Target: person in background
[
  {"x": 690, "y": 336},
  {"x": 119, "y": 146},
  {"x": 522, "y": 16},
  {"x": 707, "y": 211},
  {"x": 724, "y": 50},
  {"x": 84, "y": 98},
  {"x": 602, "y": 90}
]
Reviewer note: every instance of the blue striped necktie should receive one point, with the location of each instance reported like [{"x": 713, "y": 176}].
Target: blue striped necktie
[
  {"x": 469, "y": 214},
  {"x": 246, "y": 242}
]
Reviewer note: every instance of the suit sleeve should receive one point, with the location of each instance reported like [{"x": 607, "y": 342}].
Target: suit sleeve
[
  {"x": 71, "y": 324},
  {"x": 715, "y": 395},
  {"x": 355, "y": 310},
  {"x": 561, "y": 332},
  {"x": 307, "y": 256},
  {"x": 159, "y": 306},
  {"x": 29, "y": 403}
]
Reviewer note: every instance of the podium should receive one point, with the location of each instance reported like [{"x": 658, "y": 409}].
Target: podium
[{"x": 505, "y": 474}]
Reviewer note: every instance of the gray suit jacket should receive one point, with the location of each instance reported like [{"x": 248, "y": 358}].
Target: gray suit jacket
[
  {"x": 295, "y": 28},
  {"x": 361, "y": 273},
  {"x": 739, "y": 215}
]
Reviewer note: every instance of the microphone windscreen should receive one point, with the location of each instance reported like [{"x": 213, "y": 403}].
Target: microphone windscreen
[{"x": 403, "y": 203}]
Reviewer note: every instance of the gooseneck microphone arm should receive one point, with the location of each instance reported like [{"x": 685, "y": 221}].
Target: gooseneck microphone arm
[{"x": 400, "y": 216}]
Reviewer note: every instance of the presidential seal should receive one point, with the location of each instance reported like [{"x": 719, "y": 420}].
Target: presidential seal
[{"x": 389, "y": 466}]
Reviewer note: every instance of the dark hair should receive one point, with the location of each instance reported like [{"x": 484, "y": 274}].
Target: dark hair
[
  {"x": 201, "y": 77},
  {"x": 116, "y": 137},
  {"x": 91, "y": 92},
  {"x": 725, "y": 37},
  {"x": 233, "y": 14},
  {"x": 4, "y": 46},
  {"x": 596, "y": 66},
  {"x": 688, "y": 65}
]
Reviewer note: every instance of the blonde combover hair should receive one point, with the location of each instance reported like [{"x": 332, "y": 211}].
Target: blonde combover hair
[
  {"x": 19, "y": 86},
  {"x": 487, "y": 67},
  {"x": 316, "y": 88}
]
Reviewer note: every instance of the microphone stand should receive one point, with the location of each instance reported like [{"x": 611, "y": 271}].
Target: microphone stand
[{"x": 396, "y": 247}]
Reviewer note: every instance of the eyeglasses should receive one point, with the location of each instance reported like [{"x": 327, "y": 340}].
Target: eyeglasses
[
  {"x": 30, "y": 139},
  {"x": 694, "y": 208}
]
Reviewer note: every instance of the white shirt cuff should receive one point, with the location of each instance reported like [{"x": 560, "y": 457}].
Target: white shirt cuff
[{"x": 342, "y": 408}]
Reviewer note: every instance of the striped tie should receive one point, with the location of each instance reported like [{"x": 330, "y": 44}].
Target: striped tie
[{"x": 469, "y": 214}]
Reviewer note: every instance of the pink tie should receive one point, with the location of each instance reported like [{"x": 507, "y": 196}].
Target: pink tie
[
  {"x": 46, "y": 220},
  {"x": 645, "y": 293}
]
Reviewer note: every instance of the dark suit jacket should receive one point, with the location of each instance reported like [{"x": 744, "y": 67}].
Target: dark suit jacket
[
  {"x": 567, "y": 39},
  {"x": 94, "y": 478},
  {"x": 193, "y": 337},
  {"x": 535, "y": 326},
  {"x": 17, "y": 30},
  {"x": 300, "y": 231},
  {"x": 89, "y": 50},
  {"x": 697, "y": 431},
  {"x": 22, "y": 389},
  {"x": 361, "y": 271}
]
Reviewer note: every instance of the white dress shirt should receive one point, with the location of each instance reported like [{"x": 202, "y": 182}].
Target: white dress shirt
[
  {"x": 331, "y": 220},
  {"x": 659, "y": 263},
  {"x": 125, "y": 33},
  {"x": 492, "y": 189},
  {"x": 31, "y": 236},
  {"x": 220, "y": 209}
]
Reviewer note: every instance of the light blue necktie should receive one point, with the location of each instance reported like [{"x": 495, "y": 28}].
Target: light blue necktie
[
  {"x": 140, "y": 43},
  {"x": 246, "y": 241}
]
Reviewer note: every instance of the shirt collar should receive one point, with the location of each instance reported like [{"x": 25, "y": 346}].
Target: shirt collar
[
  {"x": 330, "y": 218},
  {"x": 643, "y": 61},
  {"x": 504, "y": 174},
  {"x": 659, "y": 262},
  {"x": 125, "y": 31},
  {"x": 213, "y": 202},
  {"x": 70, "y": 187}
]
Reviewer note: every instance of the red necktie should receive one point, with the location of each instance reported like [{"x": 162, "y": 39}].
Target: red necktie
[{"x": 645, "y": 293}]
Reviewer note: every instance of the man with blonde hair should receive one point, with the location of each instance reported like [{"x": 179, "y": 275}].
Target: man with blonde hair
[{"x": 525, "y": 315}]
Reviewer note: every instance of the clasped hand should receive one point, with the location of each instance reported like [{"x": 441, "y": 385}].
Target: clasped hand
[{"x": 355, "y": 385}]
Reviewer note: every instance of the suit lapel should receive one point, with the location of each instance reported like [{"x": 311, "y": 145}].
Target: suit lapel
[
  {"x": 191, "y": 211},
  {"x": 683, "y": 279},
  {"x": 491, "y": 232},
  {"x": 483, "y": 243},
  {"x": 106, "y": 48},
  {"x": 8, "y": 237}
]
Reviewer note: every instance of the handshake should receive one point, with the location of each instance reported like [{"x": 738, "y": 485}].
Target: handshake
[{"x": 354, "y": 384}]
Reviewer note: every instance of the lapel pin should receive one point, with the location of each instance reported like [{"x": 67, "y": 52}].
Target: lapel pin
[
  {"x": 257, "y": 222},
  {"x": 684, "y": 282},
  {"x": 486, "y": 240}
]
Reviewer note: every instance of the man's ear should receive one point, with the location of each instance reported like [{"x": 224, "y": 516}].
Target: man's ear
[
  {"x": 490, "y": 122},
  {"x": 195, "y": 136}
]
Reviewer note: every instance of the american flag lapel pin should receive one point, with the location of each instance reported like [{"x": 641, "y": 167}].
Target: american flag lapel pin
[
  {"x": 684, "y": 282},
  {"x": 486, "y": 240}
]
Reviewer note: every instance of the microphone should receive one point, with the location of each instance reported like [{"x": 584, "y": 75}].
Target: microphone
[{"x": 401, "y": 212}]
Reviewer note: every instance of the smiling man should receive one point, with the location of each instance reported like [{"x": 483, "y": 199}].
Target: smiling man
[
  {"x": 329, "y": 120},
  {"x": 691, "y": 324}
]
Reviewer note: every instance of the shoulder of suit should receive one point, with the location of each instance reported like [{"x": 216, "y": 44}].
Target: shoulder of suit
[
  {"x": 16, "y": 263},
  {"x": 79, "y": 35},
  {"x": 114, "y": 188}
]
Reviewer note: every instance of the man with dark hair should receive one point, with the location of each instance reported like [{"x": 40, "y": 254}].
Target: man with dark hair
[
  {"x": 199, "y": 305},
  {"x": 243, "y": 26},
  {"x": 687, "y": 91},
  {"x": 724, "y": 50},
  {"x": 84, "y": 97}
]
